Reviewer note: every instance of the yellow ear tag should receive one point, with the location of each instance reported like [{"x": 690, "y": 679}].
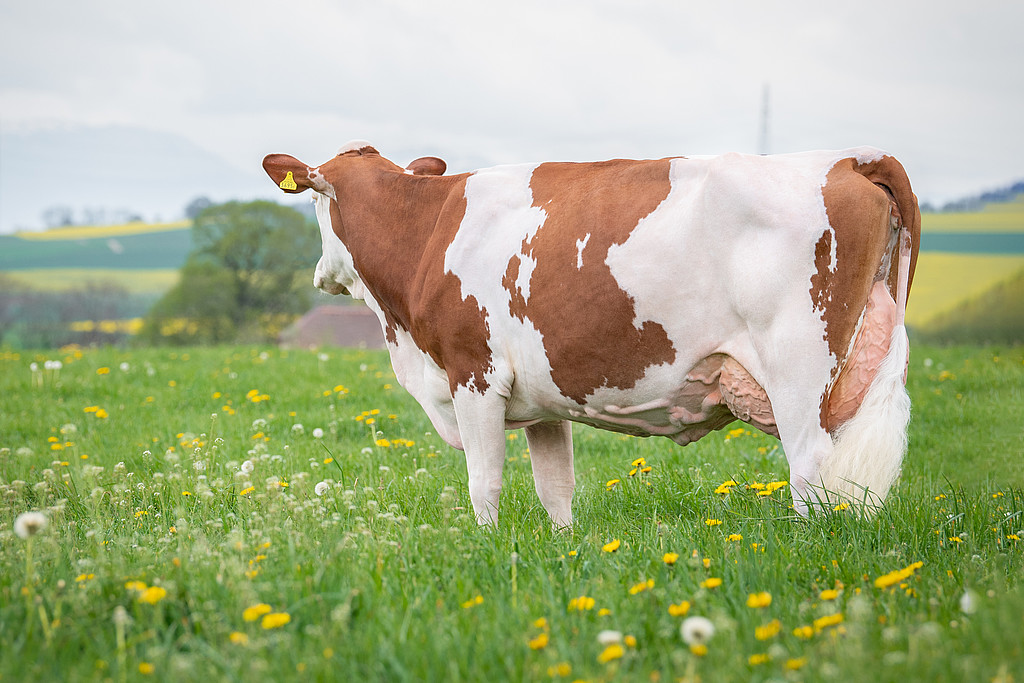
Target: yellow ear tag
[{"x": 288, "y": 183}]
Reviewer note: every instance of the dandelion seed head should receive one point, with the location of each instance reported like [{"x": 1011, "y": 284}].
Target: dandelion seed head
[
  {"x": 696, "y": 630},
  {"x": 29, "y": 524},
  {"x": 321, "y": 488}
]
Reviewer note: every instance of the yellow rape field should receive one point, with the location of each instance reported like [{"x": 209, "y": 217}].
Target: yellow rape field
[
  {"x": 80, "y": 232},
  {"x": 943, "y": 280}
]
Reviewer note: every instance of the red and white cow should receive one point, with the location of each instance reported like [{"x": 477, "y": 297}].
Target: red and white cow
[{"x": 663, "y": 297}]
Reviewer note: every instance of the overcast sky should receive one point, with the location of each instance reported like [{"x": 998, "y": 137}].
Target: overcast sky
[{"x": 940, "y": 84}]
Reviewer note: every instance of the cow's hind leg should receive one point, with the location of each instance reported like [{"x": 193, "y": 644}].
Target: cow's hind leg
[
  {"x": 481, "y": 418},
  {"x": 551, "y": 456}
]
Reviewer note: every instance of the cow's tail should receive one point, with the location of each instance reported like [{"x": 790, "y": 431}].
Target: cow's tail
[{"x": 869, "y": 447}]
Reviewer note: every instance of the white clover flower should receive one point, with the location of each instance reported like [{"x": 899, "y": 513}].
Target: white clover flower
[
  {"x": 29, "y": 524},
  {"x": 321, "y": 488},
  {"x": 609, "y": 637},
  {"x": 318, "y": 433},
  {"x": 696, "y": 630}
]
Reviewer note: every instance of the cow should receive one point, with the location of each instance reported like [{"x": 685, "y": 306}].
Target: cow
[{"x": 649, "y": 297}]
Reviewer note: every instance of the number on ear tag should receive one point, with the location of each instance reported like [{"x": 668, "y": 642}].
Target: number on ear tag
[{"x": 288, "y": 183}]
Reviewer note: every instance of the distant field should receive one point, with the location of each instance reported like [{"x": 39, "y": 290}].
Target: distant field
[
  {"x": 77, "y": 232},
  {"x": 1004, "y": 217},
  {"x": 944, "y": 280},
  {"x": 97, "y": 248},
  {"x": 136, "y": 281}
]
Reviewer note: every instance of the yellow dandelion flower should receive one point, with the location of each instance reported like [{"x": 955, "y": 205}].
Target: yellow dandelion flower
[
  {"x": 103, "y": 371},
  {"x": 541, "y": 623},
  {"x": 145, "y": 668},
  {"x": 137, "y": 586},
  {"x": 603, "y": 612},
  {"x": 611, "y": 653},
  {"x": 256, "y": 611},
  {"x": 473, "y": 602},
  {"x": 735, "y": 537},
  {"x": 275, "y": 620},
  {"x": 670, "y": 558},
  {"x": 238, "y": 638},
  {"x": 841, "y": 507},
  {"x": 713, "y": 522},
  {"x": 641, "y": 587},
  {"x": 828, "y": 594},
  {"x": 796, "y": 663},
  {"x": 612, "y": 483},
  {"x": 84, "y": 577},
  {"x": 611, "y": 546},
  {"x": 581, "y": 604},
  {"x": 699, "y": 649},
  {"x": 803, "y": 632},
  {"x": 152, "y": 595},
  {"x": 759, "y": 658},
  {"x": 679, "y": 609},
  {"x": 247, "y": 490},
  {"x": 713, "y": 582},
  {"x": 561, "y": 670},
  {"x": 895, "y": 577},
  {"x": 769, "y": 630},
  {"x": 539, "y": 643},
  {"x": 822, "y": 623},
  {"x": 759, "y": 600}
]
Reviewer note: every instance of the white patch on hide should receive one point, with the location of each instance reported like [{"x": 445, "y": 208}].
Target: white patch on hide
[{"x": 580, "y": 246}]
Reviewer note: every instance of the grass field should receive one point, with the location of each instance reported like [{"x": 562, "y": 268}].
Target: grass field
[
  {"x": 944, "y": 280},
  {"x": 136, "y": 281},
  {"x": 999, "y": 217},
  {"x": 167, "y": 557}
]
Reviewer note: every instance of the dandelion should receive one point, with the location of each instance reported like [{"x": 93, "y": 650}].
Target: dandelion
[
  {"x": 580, "y": 604},
  {"x": 145, "y": 668},
  {"x": 611, "y": 653},
  {"x": 321, "y": 488},
  {"x": 641, "y": 587},
  {"x": 670, "y": 558},
  {"x": 103, "y": 371},
  {"x": 137, "y": 586},
  {"x": 803, "y": 632},
  {"x": 822, "y": 623},
  {"x": 256, "y": 611},
  {"x": 759, "y": 600},
  {"x": 318, "y": 433},
  {"x": 829, "y": 594},
  {"x": 697, "y": 631},
  {"x": 769, "y": 630},
  {"x": 611, "y": 546},
  {"x": 473, "y": 602},
  {"x": 29, "y": 524},
  {"x": 247, "y": 467},
  {"x": 540, "y": 642},
  {"x": 968, "y": 602},
  {"x": 895, "y": 577},
  {"x": 712, "y": 582},
  {"x": 247, "y": 490},
  {"x": 713, "y": 522},
  {"x": 541, "y": 623},
  {"x": 679, "y": 609},
  {"x": 152, "y": 595},
  {"x": 759, "y": 658},
  {"x": 796, "y": 663},
  {"x": 275, "y": 620},
  {"x": 612, "y": 483},
  {"x": 238, "y": 638},
  {"x": 725, "y": 487},
  {"x": 609, "y": 637}
]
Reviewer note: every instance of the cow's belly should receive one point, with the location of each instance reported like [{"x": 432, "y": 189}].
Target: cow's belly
[{"x": 681, "y": 405}]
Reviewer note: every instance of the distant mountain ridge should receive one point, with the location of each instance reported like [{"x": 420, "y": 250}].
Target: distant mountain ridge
[{"x": 119, "y": 172}]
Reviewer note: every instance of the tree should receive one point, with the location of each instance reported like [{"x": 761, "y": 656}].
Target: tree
[
  {"x": 196, "y": 207},
  {"x": 247, "y": 273}
]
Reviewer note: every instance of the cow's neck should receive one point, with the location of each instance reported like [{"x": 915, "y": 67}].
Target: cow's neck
[{"x": 387, "y": 222}]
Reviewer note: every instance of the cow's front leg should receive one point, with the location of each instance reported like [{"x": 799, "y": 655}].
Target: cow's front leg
[
  {"x": 481, "y": 418},
  {"x": 551, "y": 456}
]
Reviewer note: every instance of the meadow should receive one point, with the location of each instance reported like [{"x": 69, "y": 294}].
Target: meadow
[{"x": 243, "y": 513}]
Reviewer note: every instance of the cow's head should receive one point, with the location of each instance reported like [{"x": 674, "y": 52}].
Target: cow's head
[{"x": 335, "y": 272}]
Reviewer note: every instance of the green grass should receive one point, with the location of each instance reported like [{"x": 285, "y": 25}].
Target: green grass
[
  {"x": 943, "y": 281},
  {"x": 165, "y": 249},
  {"x": 136, "y": 281},
  {"x": 374, "y": 574}
]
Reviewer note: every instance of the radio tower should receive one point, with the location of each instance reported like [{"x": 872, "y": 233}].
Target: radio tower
[{"x": 762, "y": 145}]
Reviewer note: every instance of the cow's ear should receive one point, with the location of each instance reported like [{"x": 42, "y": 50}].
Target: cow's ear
[
  {"x": 427, "y": 166},
  {"x": 290, "y": 174}
]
